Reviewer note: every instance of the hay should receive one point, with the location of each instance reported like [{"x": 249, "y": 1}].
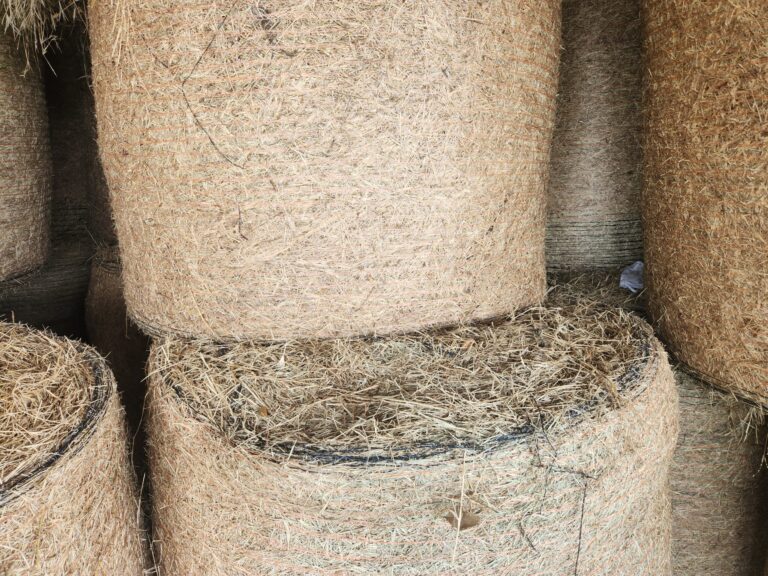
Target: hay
[
  {"x": 25, "y": 169},
  {"x": 537, "y": 446},
  {"x": 594, "y": 191},
  {"x": 705, "y": 203},
  {"x": 67, "y": 502},
  {"x": 36, "y": 22},
  {"x": 718, "y": 485},
  {"x": 286, "y": 170},
  {"x": 54, "y": 296},
  {"x": 597, "y": 287}
]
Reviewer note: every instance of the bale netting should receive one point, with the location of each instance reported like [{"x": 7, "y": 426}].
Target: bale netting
[
  {"x": 537, "y": 446},
  {"x": 594, "y": 190},
  {"x": 25, "y": 165},
  {"x": 718, "y": 484},
  {"x": 285, "y": 170},
  {"x": 67, "y": 493},
  {"x": 705, "y": 203}
]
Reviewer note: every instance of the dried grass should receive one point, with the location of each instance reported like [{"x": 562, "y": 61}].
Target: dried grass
[
  {"x": 598, "y": 288},
  {"x": 537, "y": 446},
  {"x": 35, "y": 22},
  {"x": 285, "y": 170},
  {"x": 594, "y": 191},
  {"x": 705, "y": 203}
]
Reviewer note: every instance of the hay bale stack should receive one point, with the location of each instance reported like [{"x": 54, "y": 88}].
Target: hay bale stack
[
  {"x": 594, "y": 190},
  {"x": 705, "y": 202},
  {"x": 538, "y": 446},
  {"x": 289, "y": 170},
  {"x": 25, "y": 165},
  {"x": 718, "y": 485},
  {"x": 67, "y": 496}
]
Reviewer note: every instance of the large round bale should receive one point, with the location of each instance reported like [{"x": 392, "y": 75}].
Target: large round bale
[
  {"x": 594, "y": 190},
  {"x": 286, "y": 170},
  {"x": 537, "y": 446},
  {"x": 718, "y": 484},
  {"x": 25, "y": 165},
  {"x": 67, "y": 493},
  {"x": 705, "y": 201}
]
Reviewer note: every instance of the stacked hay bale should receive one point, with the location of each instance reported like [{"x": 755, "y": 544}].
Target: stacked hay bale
[
  {"x": 705, "y": 203},
  {"x": 67, "y": 493},
  {"x": 539, "y": 445},
  {"x": 594, "y": 190},
  {"x": 25, "y": 165}
]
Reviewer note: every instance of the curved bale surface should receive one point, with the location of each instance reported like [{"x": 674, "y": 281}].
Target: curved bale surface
[
  {"x": 594, "y": 190},
  {"x": 288, "y": 170},
  {"x": 705, "y": 203},
  {"x": 538, "y": 446},
  {"x": 67, "y": 493},
  {"x": 25, "y": 165},
  {"x": 718, "y": 511}
]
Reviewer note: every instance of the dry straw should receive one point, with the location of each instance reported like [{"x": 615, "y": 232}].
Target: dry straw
[
  {"x": 25, "y": 165},
  {"x": 705, "y": 201},
  {"x": 537, "y": 446},
  {"x": 594, "y": 190},
  {"x": 289, "y": 170},
  {"x": 718, "y": 485},
  {"x": 67, "y": 500},
  {"x": 35, "y": 23}
]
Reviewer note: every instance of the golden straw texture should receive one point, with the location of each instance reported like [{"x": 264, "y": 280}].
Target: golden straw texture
[
  {"x": 285, "y": 170},
  {"x": 718, "y": 484},
  {"x": 706, "y": 191},
  {"x": 260, "y": 466},
  {"x": 25, "y": 165},
  {"x": 594, "y": 191},
  {"x": 67, "y": 493},
  {"x": 35, "y": 22}
]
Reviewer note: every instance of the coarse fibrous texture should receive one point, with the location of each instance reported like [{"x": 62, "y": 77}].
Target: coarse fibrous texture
[
  {"x": 537, "y": 446},
  {"x": 25, "y": 165},
  {"x": 598, "y": 286},
  {"x": 705, "y": 200},
  {"x": 718, "y": 484},
  {"x": 67, "y": 493},
  {"x": 284, "y": 170},
  {"x": 53, "y": 296},
  {"x": 594, "y": 190},
  {"x": 35, "y": 23}
]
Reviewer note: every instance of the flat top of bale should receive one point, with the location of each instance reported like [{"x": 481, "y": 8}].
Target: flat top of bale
[
  {"x": 46, "y": 389},
  {"x": 471, "y": 387}
]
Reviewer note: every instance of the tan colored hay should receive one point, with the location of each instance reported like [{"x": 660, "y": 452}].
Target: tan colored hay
[
  {"x": 35, "y": 22},
  {"x": 718, "y": 486},
  {"x": 705, "y": 201},
  {"x": 25, "y": 168},
  {"x": 67, "y": 498},
  {"x": 594, "y": 191},
  {"x": 539, "y": 446},
  {"x": 599, "y": 287},
  {"x": 293, "y": 169}
]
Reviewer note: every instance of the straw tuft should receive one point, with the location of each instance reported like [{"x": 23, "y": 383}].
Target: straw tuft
[{"x": 35, "y": 22}]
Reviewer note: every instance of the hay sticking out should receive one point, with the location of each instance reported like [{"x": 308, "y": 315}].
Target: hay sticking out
[
  {"x": 35, "y": 22},
  {"x": 539, "y": 446},
  {"x": 294, "y": 170},
  {"x": 596, "y": 287},
  {"x": 718, "y": 484},
  {"x": 67, "y": 495}
]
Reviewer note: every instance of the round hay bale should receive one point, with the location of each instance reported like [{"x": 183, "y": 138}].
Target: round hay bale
[
  {"x": 54, "y": 296},
  {"x": 718, "y": 485},
  {"x": 705, "y": 203},
  {"x": 537, "y": 446},
  {"x": 285, "y": 170},
  {"x": 25, "y": 166},
  {"x": 100, "y": 223},
  {"x": 594, "y": 190},
  {"x": 67, "y": 493}
]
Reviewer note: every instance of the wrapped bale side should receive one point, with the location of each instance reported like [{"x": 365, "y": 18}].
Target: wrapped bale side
[
  {"x": 25, "y": 165},
  {"x": 537, "y": 446},
  {"x": 594, "y": 190},
  {"x": 289, "y": 170},
  {"x": 705, "y": 205},
  {"x": 67, "y": 493}
]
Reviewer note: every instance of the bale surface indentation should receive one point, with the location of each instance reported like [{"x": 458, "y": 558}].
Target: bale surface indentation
[
  {"x": 67, "y": 493},
  {"x": 286, "y": 170},
  {"x": 25, "y": 165},
  {"x": 705, "y": 204},
  {"x": 594, "y": 189},
  {"x": 486, "y": 450}
]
